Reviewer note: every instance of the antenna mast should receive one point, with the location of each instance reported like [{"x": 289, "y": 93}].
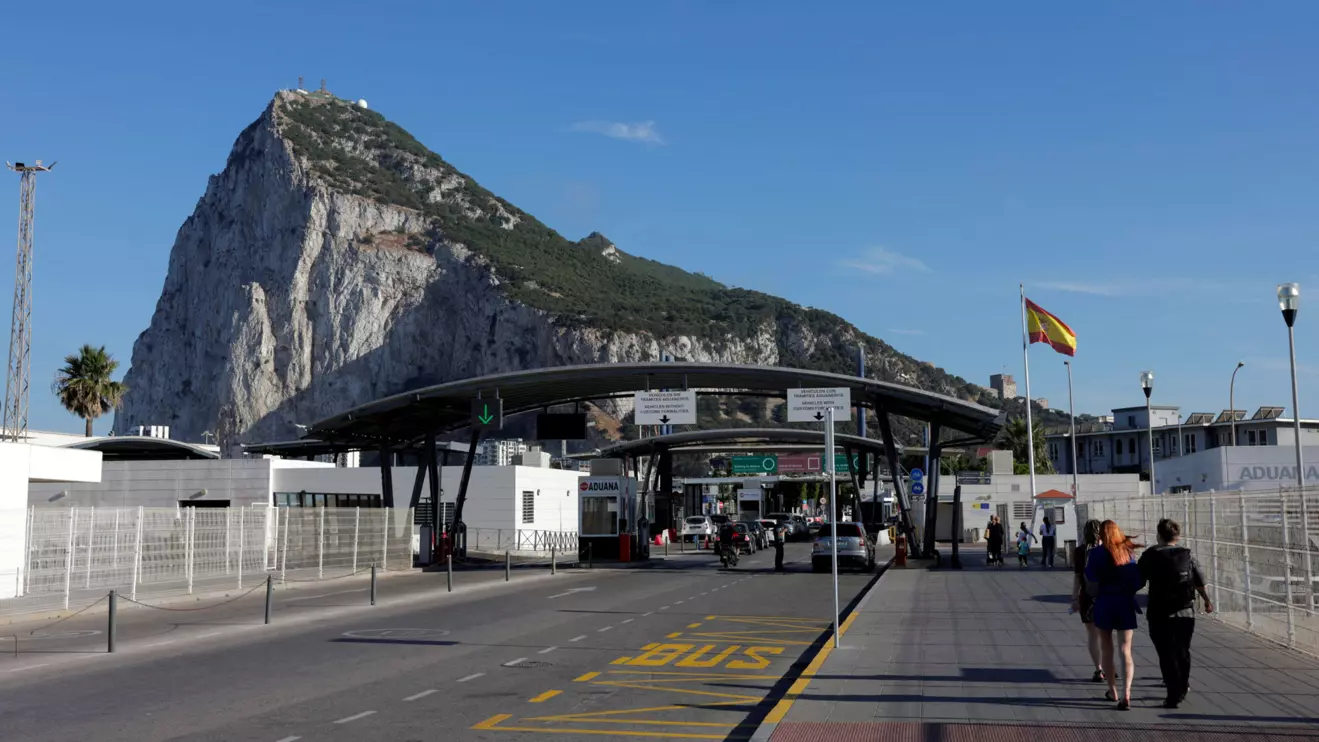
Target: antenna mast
[{"x": 19, "y": 374}]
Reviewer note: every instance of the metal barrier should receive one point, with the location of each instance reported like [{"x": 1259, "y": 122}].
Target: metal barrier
[
  {"x": 1259, "y": 552},
  {"x": 76, "y": 554},
  {"x": 520, "y": 542}
]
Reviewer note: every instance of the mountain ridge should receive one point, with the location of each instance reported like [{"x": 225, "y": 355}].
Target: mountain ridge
[{"x": 323, "y": 266}]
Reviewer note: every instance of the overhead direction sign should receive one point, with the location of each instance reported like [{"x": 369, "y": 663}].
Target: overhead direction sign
[
  {"x": 665, "y": 408},
  {"x": 812, "y": 405},
  {"x": 755, "y": 464},
  {"x": 487, "y": 414}
]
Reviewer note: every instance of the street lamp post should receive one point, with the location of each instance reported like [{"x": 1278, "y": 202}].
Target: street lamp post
[
  {"x": 1232, "y": 399},
  {"x": 1147, "y": 384},
  {"x": 1289, "y": 301}
]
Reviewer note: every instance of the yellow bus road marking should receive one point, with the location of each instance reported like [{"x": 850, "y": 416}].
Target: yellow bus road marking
[
  {"x": 491, "y": 724},
  {"x": 693, "y": 675},
  {"x": 547, "y": 695},
  {"x": 587, "y": 677},
  {"x": 674, "y": 635},
  {"x": 799, "y": 685},
  {"x": 693, "y": 626},
  {"x": 603, "y": 716},
  {"x": 652, "y": 722}
]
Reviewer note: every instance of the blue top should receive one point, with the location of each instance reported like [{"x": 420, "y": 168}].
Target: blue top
[{"x": 1115, "y": 605}]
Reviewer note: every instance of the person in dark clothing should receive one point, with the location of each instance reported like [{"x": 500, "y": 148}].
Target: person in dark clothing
[
  {"x": 1113, "y": 569},
  {"x": 1082, "y": 601},
  {"x": 1174, "y": 580},
  {"x": 780, "y": 539},
  {"x": 726, "y": 537},
  {"x": 994, "y": 535}
]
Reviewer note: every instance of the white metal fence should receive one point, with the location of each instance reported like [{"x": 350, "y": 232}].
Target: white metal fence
[
  {"x": 75, "y": 555},
  {"x": 521, "y": 542},
  {"x": 1259, "y": 553}
]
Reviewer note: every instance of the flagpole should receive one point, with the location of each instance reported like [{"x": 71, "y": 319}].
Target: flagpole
[
  {"x": 1076, "y": 447},
  {"x": 1030, "y": 428}
]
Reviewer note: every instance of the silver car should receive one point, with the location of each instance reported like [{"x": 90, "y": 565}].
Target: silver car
[
  {"x": 697, "y": 528},
  {"x": 854, "y": 548}
]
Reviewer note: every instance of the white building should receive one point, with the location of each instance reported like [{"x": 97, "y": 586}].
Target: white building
[
  {"x": 499, "y": 452},
  {"x": 1125, "y": 447}
]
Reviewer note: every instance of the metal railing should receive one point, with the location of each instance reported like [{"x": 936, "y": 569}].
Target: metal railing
[
  {"x": 520, "y": 541},
  {"x": 1259, "y": 552},
  {"x": 76, "y": 553}
]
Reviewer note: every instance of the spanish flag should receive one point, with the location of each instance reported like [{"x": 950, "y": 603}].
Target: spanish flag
[{"x": 1042, "y": 327}]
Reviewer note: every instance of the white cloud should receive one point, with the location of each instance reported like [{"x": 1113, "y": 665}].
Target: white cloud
[
  {"x": 642, "y": 131},
  {"x": 906, "y": 332},
  {"x": 882, "y": 261},
  {"x": 1132, "y": 288}
]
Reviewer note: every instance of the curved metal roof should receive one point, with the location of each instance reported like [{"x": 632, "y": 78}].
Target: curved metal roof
[
  {"x": 143, "y": 448},
  {"x": 732, "y": 439},
  {"x": 403, "y": 418}
]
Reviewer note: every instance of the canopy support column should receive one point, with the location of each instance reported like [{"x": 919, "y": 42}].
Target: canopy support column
[
  {"x": 932, "y": 490},
  {"x": 900, "y": 493},
  {"x": 459, "y": 529},
  {"x": 387, "y": 477}
]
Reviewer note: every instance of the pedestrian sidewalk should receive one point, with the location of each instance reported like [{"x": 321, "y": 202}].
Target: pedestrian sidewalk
[{"x": 982, "y": 653}]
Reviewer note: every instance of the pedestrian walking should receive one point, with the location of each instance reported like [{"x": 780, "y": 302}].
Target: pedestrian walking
[
  {"x": 1024, "y": 537},
  {"x": 1174, "y": 580},
  {"x": 780, "y": 539},
  {"x": 1116, "y": 579},
  {"x": 1048, "y": 541},
  {"x": 995, "y": 537},
  {"x": 1082, "y": 602}
]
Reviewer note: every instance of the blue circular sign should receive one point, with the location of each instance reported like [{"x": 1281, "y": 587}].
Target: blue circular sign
[
  {"x": 917, "y": 488},
  {"x": 916, "y": 475}
]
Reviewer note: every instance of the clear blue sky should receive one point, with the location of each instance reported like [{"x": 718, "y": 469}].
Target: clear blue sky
[{"x": 1148, "y": 170}]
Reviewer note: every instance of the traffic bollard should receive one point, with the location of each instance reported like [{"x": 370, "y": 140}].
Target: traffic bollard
[
  {"x": 508, "y": 567},
  {"x": 449, "y": 567},
  {"x": 270, "y": 596},
  {"x": 666, "y": 547},
  {"x": 109, "y": 629},
  {"x": 373, "y": 583},
  {"x": 554, "y": 564},
  {"x": 590, "y": 561}
]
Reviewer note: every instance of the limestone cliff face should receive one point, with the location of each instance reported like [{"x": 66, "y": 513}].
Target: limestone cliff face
[{"x": 301, "y": 286}]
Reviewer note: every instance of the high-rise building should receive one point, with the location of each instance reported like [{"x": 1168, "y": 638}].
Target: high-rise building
[{"x": 500, "y": 452}]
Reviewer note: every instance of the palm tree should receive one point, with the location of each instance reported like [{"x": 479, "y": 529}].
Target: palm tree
[
  {"x": 1015, "y": 438},
  {"x": 84, "y": 385}
]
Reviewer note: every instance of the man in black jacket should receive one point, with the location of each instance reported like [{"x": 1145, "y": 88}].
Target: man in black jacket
[{"x": 1174, "y": 579}]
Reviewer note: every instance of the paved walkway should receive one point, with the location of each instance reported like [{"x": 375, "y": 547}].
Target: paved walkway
[{"x": 984, "y": 653}]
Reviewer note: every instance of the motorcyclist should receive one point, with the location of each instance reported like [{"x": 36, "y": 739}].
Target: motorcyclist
[{"x": 726, "y": 545}]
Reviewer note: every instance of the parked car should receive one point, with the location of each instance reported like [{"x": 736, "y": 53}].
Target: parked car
[
  {"x": 795, "y": 524},
  {"x": 854, "y": 548},
  {"x": 758, "y": 533},
  {"x": 769, "y": 526},
  {"x": 697, "y": 528}
]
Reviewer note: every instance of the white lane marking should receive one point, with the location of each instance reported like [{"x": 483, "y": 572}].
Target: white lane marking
[
  {"x": 547, "y": 650},
  {"x": 664, "y": 608},
  {"x": 209, "y": 635},
  {"x": 628, "y": 620},
  {"x": 30, "y": 667},
  {"x": 290, "y": 739},
  {"x": 324, "y": 595},
  {"x": 159, "y": 644},
  {"x": 471, "y": 677},
  {"x": 679, "y": 602},
  {"x": 648, "y": 613},
  {"x": 572, "y": 591},
  {"x": 422, "y": 694},
  {"x": 577, "y": 638},
  {"x": 354, "y": 717},
  {"x": 607, "y": 628},
  {"x": 515, "y": 662}
]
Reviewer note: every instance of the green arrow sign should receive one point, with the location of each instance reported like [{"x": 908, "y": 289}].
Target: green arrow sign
[
  {"x": 841, "y": 464},
  {"x": 755, "y": 464},
  {"x": 487, "y": 414}
]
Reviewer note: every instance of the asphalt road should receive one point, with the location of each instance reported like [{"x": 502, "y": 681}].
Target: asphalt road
[{"x": 685, "y": 650}]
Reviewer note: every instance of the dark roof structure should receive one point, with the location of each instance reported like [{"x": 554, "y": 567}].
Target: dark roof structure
[
  {"x": 313, "y": 447},
  {"x": 144, "y": 448},
  {"x": 403, "y": 419},
  {"x": 737, "y": 439}
]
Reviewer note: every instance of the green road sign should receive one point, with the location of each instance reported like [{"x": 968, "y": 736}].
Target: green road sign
[
  {"x": 487, "y": 414},
  {"x": 841, "y": 462},
  {"x": 755, "y": 464}
]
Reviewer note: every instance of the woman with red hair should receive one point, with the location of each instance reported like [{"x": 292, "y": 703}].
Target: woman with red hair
[{"x": 1112, "y": 571}]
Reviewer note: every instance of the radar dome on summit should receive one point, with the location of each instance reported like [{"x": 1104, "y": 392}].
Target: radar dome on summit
[{"x": 361, "y": 102}]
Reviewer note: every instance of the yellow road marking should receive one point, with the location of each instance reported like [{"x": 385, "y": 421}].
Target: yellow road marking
[
  {"x": 547, "y": 695},
  {"x": 651, "y": 722},
  {"x": 692, "y": 675},
  {"x": 492, "y": 721},
  {"x": 799, "y": 685},
  {"x": 674, "y": 635},
  {"x": 587, "y": 677},
  {"x": 607, "y": 733},
  {"x": 693, "y": 626}
]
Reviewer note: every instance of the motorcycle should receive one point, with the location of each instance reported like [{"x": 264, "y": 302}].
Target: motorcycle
[{"x": 727, "y": 556}]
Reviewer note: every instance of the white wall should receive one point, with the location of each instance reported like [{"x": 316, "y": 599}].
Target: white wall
[
  {"x": 1015, "y": 488},
  {"x": 21, "y": 463},
  {"x": 1249, "y": 468},
  {"x": 556, "y": 498},
  {"x": 165, "y": 483}
]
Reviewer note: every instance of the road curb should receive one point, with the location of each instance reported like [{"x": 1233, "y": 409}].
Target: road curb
[{"x": 818, "y": 653}]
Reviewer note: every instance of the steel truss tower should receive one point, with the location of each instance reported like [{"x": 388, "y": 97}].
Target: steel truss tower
[{"x": 19, "y": 374}]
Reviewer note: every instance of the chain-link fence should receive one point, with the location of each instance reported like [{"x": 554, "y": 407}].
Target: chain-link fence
[
  {"x": 1259, "y": 553},
  {"x": 74, "y": 555}
]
